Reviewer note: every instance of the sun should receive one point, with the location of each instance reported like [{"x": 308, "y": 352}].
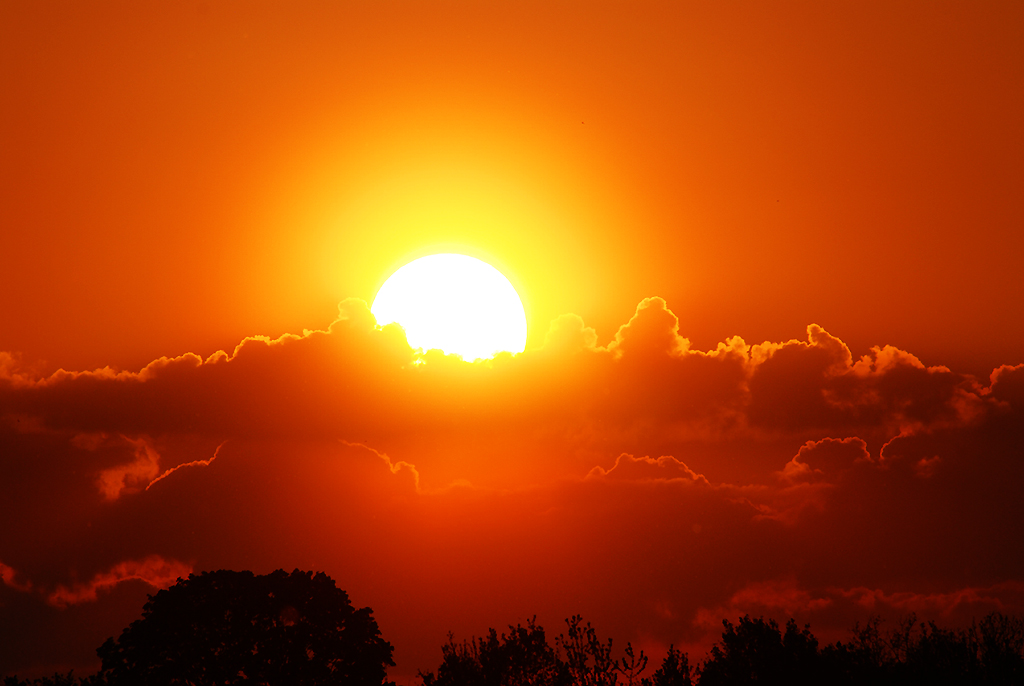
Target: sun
[{"x": 455, "y": 303}]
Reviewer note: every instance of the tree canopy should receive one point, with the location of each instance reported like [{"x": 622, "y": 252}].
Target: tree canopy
[{"x": 228, "y": 627}]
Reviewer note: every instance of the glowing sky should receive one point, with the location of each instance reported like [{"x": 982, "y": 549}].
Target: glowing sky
[{"x": 769, "y": 255}]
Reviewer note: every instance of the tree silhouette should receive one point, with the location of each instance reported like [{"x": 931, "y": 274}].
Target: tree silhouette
[
  {"x": 234, "y": 627},
  {"x": 674, "y": 670},
  {"x": 631, "y": 666},
  {"x": 523, "y": 657},
  {"x": 1001, "y": 648},
  {"x": 520, "y": 658},
  {"x": 229, "y": 627},
  {"x": 57, "y": 679},
  {"x": 987, "y": 653},
  {"x": 755, "y": 651},
  {"x": 588, "y": 659}
]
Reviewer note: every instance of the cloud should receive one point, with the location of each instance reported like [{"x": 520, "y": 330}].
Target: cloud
[
  {"x": 153, "y": 570},
  {"x": 977, "y": 600},
  {"x": 648, "y": 392},
  {"x": 825, "y": 458},
  {"x": 927, "y": 466},
  {"x": 629, "y": 468},
  {"x": 816, "y": 385},
  {"x": 9, "y": 577},
  {"x": 568, "y": 334},
  {"x": 757, "y": 598},
  {"x": 193, "y": 463},
  {"x": 138, "y": 473},
  {"x": 400, "y": 467},
  {"x": 1007, "y": 385},
  {"x": 652, "y": 332}
]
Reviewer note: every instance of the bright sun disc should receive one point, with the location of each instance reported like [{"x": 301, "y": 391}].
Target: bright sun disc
[{"x": 456, "y": 303}]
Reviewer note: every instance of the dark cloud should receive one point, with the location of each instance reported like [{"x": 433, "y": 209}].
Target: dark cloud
[{"x": 817, "y": 460}]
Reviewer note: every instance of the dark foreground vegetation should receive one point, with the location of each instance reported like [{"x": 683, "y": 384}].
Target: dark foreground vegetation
[
  {"x": 297, "y": 629},
  {"x": 754, "y": 651},
  {"x": 229, "y": 627}
]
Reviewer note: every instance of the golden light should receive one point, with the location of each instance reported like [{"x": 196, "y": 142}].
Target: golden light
[{"x": 455, "y": 303}]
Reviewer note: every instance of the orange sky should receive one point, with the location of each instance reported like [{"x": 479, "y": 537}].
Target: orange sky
[{"x": 174, "y": 180}]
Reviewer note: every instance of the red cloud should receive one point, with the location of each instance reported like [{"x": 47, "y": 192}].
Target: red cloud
[
  {"x": 759, "y": 597},
  {"x": 153, "y": 570},
  {"x": 1007, "y": 384},
  {"x": 629, "y": 468},
  {"x": 825, "y": 458},
  {"x": 648, "y": 392},
  {"x": 978, "y": 600},
  {"x": 193, "y": 463},
  {"x": 139, "y": 473},
  {"x": 9, "y": 577}
]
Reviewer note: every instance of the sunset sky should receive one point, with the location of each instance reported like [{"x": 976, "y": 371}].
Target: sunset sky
[{"x": 769, "y": 254}]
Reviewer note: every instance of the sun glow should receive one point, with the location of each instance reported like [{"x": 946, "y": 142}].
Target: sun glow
[{"x": 455, "y": 303}]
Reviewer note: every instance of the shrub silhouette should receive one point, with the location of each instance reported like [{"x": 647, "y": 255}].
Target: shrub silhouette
[{"x": 229, "y": 627}]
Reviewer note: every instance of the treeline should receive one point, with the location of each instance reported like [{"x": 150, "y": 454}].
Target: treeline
[
  {"x": 299, "y": 629},
  {"x": 754, "y": 651}
]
